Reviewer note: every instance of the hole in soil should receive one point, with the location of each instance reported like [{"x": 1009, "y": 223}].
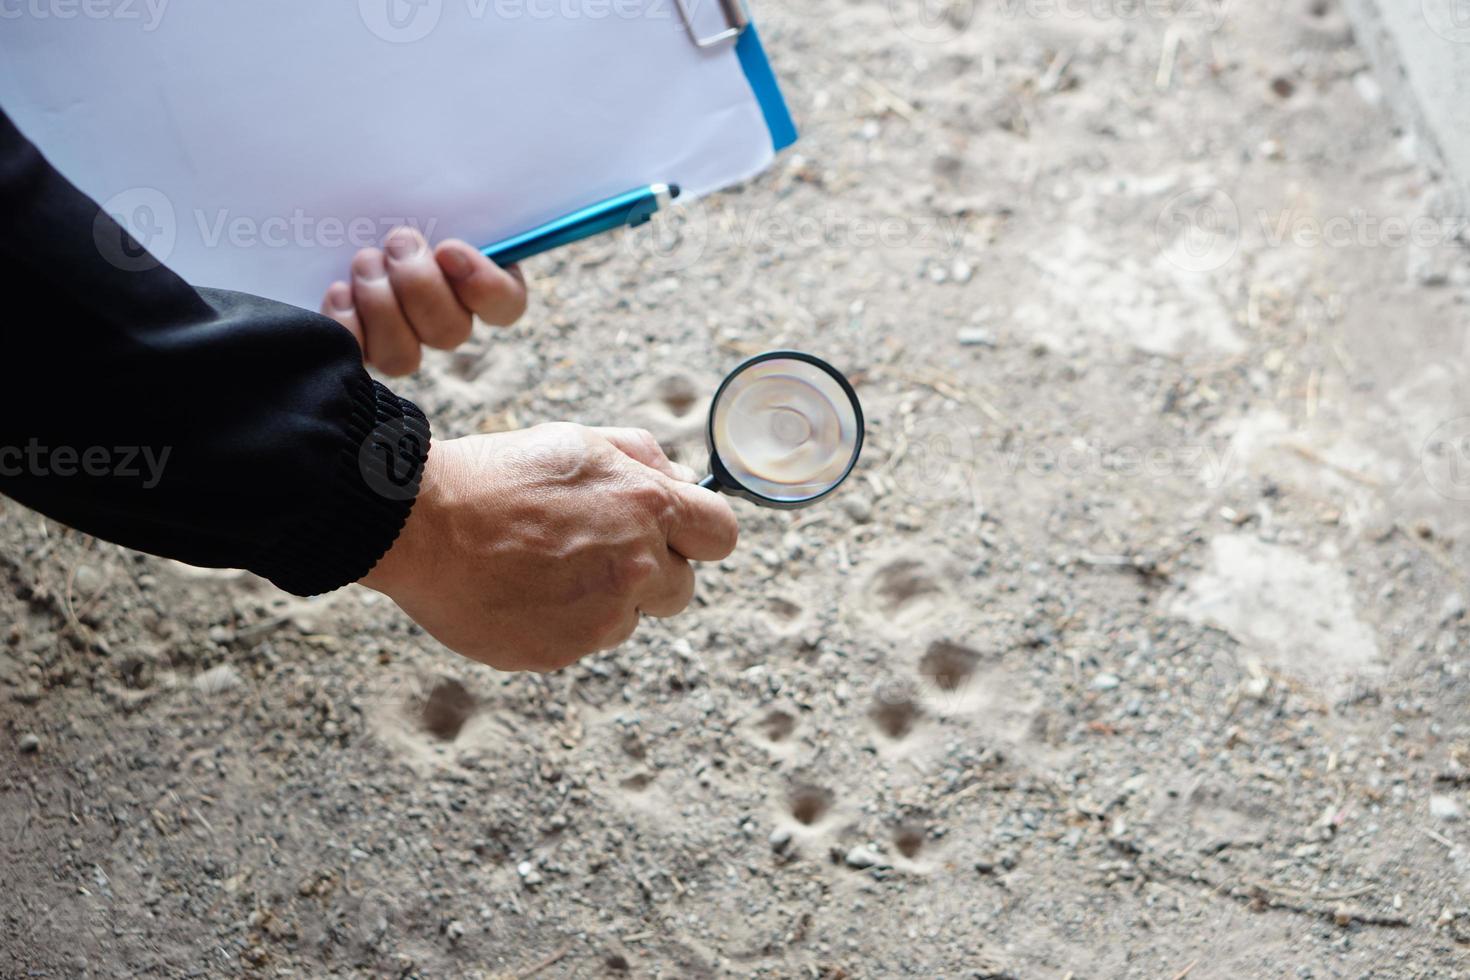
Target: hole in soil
[
  {"x": 784, "y": 609},
  {"x": 678, "y": 395},
  {"x": 449, "y": 706},
  {"x": 895, "y": 716},
  {"x": 637, "y": 783},
  {"x": 467, "y": 365},
  {"x": 809, "y": 803},
  {"x": 948, "y": 665},
  {"x": 135, "y": 672},
  {"x": 909, "y": 841},
  {"x": 901, "y": 582},
  {"x": 1283, "y": 87},
  {"x": 778, "y": 725},
  {"x": 633, "y": 746}
]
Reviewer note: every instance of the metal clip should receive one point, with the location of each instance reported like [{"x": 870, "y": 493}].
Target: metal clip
[{"x": 735, "y": 16}]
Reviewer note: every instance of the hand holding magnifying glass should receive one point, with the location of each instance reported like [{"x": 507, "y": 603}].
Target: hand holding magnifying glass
[{"x": 785, "y": 430}]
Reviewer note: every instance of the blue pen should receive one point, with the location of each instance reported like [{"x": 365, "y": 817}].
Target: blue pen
[{"x": 626, "y": 210}]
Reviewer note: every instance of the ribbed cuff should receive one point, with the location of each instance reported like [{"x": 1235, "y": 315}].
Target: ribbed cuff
[{"x": 380, "y": 464}]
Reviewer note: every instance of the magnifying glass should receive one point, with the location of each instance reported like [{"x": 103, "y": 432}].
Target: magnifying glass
[{"x": 785, "y": 429}]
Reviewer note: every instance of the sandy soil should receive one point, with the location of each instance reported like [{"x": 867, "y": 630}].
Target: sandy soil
[{"x": 1136, "y": 649}]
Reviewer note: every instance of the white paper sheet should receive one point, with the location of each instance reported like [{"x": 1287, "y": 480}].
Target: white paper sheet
[{"x": 257, "y": 145}]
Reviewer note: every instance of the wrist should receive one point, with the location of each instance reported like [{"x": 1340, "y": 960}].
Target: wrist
[{"x": 403, "y": 561}]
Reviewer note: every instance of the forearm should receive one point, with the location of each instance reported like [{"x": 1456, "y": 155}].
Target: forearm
[{"x": 209, "y": 426}]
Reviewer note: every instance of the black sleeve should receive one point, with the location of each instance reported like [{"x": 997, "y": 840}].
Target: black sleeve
[{"x": 213, "y": 427}]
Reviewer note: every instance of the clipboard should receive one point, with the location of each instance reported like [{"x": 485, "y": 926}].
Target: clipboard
[{"x": 257, "y": 147}]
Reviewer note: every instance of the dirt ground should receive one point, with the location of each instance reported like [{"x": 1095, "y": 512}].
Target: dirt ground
[{"x": 1137, "y": 648}]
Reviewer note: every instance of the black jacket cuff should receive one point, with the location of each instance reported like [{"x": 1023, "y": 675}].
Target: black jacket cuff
[{"x": 379, "y": 465}]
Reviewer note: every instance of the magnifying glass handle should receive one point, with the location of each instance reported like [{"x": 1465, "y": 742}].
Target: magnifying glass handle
[{"x": 710, "y": 483}]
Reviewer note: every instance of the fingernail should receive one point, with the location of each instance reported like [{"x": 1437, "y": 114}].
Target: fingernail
[
  {"x": 369, "y": 265},
  {"x": 455, "y": 263},
  {"x": 402, "y": 245},
  {"x": 340, "y": 298}
]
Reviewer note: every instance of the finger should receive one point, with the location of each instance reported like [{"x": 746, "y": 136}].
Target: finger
[
  {"x": 337, "y": 304},
  {"x": 622, "y": 633},
  {"x": 495, "y": 295},
  {"x": 640, "y": 444},
  {"x": 392, "y": 346},
  {"x": 434, "y": 312},
  {"x": 670, "y": 591},
  {"x": 702, "y": 527}
]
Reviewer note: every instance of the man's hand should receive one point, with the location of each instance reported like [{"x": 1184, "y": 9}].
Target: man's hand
[
  {"x": 528, "y": 550},
  {"x": 405, "y": 296}
]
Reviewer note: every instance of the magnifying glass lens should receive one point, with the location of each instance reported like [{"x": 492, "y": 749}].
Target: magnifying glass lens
[{"x": 786, "y": 429}]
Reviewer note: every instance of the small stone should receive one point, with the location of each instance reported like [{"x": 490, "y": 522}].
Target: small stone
[
  {"x": 975, "y": 337},
  {"x": 962, "y": 271},
  {"x": 1453, "y": 608},
  {"x": 529, "y": 875},
  {"x": 29, "y": 744},
  {"x": 86, "y": 580},
  {"x": 217, "y": 680},
  {"x": 780, "y": 839},
  {"x": 1106, "y": 682},
  {"x": 862, "y": 857},
  {"x": 857, "y": 507},
  {"x": 1445, "y": 808},
  {"x": 454, "y": 932}
]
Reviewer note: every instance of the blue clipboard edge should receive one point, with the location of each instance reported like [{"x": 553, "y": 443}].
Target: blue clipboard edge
[{"x": 767, "y": 90}]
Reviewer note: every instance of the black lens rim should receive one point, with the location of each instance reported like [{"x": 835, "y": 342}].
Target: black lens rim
[{"x": 722, "y": 475}]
